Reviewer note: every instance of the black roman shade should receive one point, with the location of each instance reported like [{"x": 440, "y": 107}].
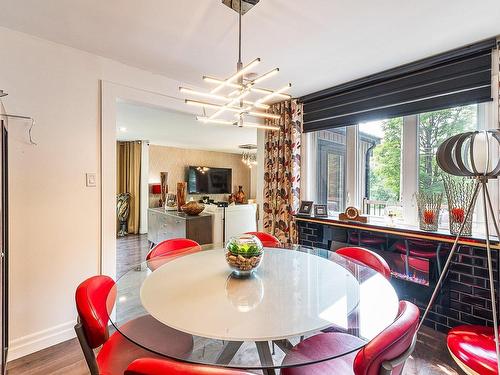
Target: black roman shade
[{"x": 458, "y": 77}]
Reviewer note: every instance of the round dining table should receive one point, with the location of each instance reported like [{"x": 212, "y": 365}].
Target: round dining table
[{"x": 251, "y": 323}]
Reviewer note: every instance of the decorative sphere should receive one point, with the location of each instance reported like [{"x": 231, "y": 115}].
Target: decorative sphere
[{"x": 470, "y": 154}]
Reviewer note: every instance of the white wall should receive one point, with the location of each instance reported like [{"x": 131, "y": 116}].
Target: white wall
[
  {"x": 55, "y": 219},
  {"x": 259, "y": 183}
]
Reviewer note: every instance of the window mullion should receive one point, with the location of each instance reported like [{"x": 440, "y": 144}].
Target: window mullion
[
  {"x": 352, "y": 181},
  {"x": 409, "y": 168}
]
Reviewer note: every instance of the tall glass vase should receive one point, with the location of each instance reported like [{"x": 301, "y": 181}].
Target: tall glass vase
[
  {"x": 429, "y": 206},
  {"x": 459, "y": 193},
  {"x": 181, "y": 195}
]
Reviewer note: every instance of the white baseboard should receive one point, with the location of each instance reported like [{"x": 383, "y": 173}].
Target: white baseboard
[{"x": 34, "y": 342}]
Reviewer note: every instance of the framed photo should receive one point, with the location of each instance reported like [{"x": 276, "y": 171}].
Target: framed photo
[
  {"x": 305, "y": 207},
  {"x": 320, "y": 210}
]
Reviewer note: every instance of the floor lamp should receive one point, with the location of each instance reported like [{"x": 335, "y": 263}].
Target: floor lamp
[{"x": 470, "y": 155}]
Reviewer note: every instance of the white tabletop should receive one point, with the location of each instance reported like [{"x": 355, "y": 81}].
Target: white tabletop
[{"x": 292, "y": 293}]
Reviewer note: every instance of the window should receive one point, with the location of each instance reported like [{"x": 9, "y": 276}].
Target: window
[
  {"x": 379, "y": 147},
  {"x": 379, "y": 165},
  {"x": 331, "y": 168},
  {"x": 433, "y": 129}
]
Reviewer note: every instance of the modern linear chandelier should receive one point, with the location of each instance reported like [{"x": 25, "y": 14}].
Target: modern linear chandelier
[
  {"x": 249, "y": 157},
  {"x": 239, "y": 95}
]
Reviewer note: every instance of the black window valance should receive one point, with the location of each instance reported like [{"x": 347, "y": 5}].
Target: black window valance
[{"x": 458, "y": 77}]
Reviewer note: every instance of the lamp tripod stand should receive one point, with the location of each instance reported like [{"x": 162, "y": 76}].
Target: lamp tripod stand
[{"x": 481, "y": 184}]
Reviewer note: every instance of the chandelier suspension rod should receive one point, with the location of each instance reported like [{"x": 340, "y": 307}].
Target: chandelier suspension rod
[{"x": 239, "y": 39}]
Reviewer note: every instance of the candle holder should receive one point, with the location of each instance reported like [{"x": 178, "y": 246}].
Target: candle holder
[
  {"x": 460, "y": 195},
  {"x": 429, "y": 206}
]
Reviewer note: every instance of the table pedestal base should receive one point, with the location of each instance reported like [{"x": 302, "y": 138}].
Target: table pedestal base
[{"x": 266, "y": 359}]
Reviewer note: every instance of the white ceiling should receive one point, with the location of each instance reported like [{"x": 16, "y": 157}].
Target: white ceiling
[
  {"x": 170, "y": 128},
  {"x": 316, "y": 43}
]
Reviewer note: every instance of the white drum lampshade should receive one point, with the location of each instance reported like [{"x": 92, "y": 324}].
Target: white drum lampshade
[{"x": 470, "y": 154}]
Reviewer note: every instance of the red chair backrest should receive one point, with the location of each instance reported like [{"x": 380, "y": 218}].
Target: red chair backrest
[
  {"x": 368, "y": 258},
  {"x": 170, "y": 247},
  {"x": 390, "y": 344},
  {"x": 267, "y": 239},
  {"x": 93, "y": 305},
  {"x": 152, "y": 366}
]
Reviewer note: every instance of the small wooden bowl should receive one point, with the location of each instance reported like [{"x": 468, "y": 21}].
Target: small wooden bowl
[{"x": 193, "y": 208}]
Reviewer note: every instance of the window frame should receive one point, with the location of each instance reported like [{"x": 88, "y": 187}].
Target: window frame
[{"x": 409, "y": 165}]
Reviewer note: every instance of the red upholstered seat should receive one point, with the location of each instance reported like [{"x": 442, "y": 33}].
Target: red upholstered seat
[
  {"x": 367, "y": 239},
  {"x": 473, "y": 348},
  {"x": 267, "y": 239},
  {"x": 172, "y": 247},
  {"x": 148, "y": 366},
  {"x": 368, "y": 258},
  {"x": 417, "y": 249},
  {"x": 395, "y": 341},
  {"x": 116, "y": 351}
]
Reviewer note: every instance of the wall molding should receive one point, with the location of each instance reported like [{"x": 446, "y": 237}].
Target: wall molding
[{"x": 34, "y": 342}]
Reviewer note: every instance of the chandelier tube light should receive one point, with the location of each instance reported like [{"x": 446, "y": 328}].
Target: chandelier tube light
[
  {"x": 260, "y": 126},
  {"x": 231, "y": 94}
]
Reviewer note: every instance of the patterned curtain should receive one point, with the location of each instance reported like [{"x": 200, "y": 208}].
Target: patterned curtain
[{"x": 282, "y": 171}]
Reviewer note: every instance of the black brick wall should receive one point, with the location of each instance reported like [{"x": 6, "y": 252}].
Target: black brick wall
[{"x": 464, "y": 297}]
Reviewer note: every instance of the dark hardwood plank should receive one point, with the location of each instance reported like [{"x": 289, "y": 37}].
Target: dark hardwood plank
[{"x": 130, "y": 251}]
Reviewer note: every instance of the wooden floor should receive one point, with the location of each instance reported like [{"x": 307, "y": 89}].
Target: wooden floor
[
  {"x": 430, "y": 357},
  {"x": 130, "y": 251}
]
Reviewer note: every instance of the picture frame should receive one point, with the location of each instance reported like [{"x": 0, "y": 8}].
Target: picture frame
[
  {"x": 306, "y": 208},
  {"x": 320, "y": 210}
]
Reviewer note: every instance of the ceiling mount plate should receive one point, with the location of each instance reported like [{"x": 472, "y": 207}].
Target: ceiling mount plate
[
  {"x": 246, "y": 5},
  {"x": 248, "y": 147}
]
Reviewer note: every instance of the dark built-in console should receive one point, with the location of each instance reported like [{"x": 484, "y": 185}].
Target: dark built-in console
[{"x": 416, "y": 259}]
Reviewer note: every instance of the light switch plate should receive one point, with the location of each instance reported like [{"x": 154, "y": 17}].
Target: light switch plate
[{"x": 91, "y": 179}]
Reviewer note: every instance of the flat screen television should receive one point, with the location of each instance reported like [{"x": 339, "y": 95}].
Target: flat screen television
[{"x": 207, "y": 180}]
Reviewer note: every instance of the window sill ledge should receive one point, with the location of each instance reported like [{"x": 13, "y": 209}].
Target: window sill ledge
[{"x": 377, "y": 224}]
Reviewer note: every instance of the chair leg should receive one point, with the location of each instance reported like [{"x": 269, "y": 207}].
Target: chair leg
[
  {"x": 438, "y": 260},
  {"x": 407, "y": 265}
]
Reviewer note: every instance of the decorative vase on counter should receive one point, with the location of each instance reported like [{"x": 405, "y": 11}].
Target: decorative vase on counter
[
  {"x": 459, "y": 193},
  {"x": 240, "y": 196},
  {"x": 164, "y": 187},
  {"x": 181, "y": 195},
  {"x": 429, "y": 206}
]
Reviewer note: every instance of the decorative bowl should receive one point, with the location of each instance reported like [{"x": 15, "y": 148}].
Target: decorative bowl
[
  {"x": 244, "y": 254},
  {"x": 193, "y": 208}
]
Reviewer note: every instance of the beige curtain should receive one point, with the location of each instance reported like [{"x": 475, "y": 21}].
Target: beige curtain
[
  {"x": 282, "y": 171},
  {"x": 128, "y": 179}
]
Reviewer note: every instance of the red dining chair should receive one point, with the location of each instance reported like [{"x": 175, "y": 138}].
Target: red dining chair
[
  {"x": 151, "y": 366},
  {"x": 473, "y": 349},
  {"x": 116, "y": 352},
  {"x": 171, "y": 247},
  {"x": 385, "y": 354},
  {"x": 267, "y": 239},
  {"x": 420, "y": 249},
  {"x": 367, "y": 239},
  {"x": 368, "y": 258}
]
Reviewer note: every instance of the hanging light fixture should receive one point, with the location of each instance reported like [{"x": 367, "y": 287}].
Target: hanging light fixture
[
  {"x": 249, "y": 157},
  {"x": 231, "y": 93}
]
